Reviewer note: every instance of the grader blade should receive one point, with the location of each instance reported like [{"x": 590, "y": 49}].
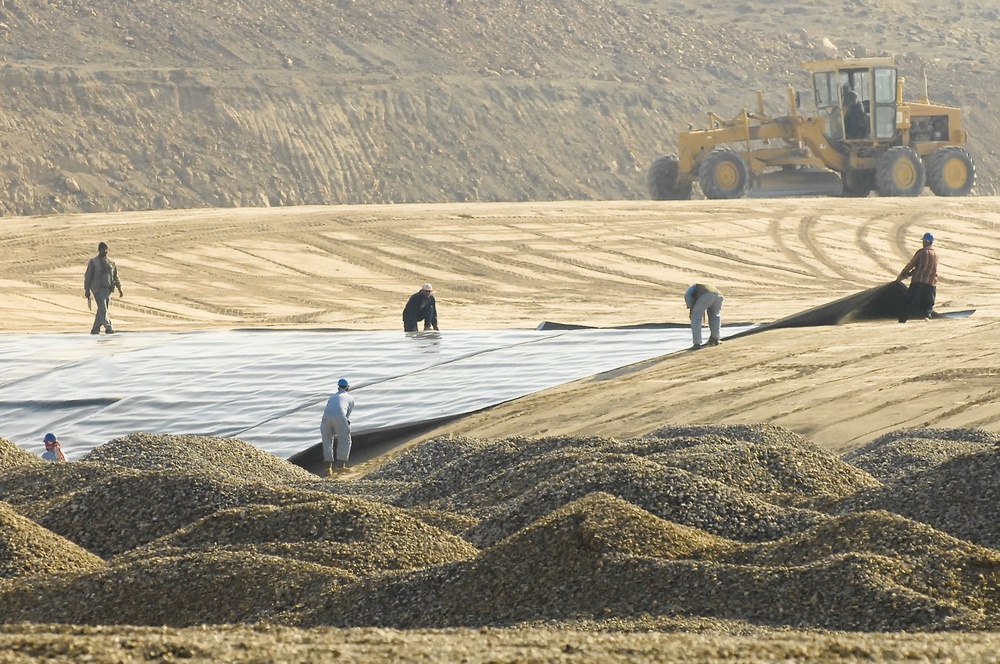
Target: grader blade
[{"x": 796, "y": 183}]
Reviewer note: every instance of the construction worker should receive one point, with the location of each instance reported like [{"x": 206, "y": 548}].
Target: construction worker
[
  {"x": 335, "y": 428},
  {"x": 922, "y": 272},
  {"x": 855, "y": 120},
  {"x": 53, "y": 450},
  {"x": 100, "y": 281},
  {"x": 703, "y": 299},
  {"x": 421, "y": 307}
]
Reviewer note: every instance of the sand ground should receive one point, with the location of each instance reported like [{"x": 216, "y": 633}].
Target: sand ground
[{"x": 606, "y": 263}]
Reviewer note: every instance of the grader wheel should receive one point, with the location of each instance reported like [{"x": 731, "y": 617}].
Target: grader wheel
[
  {"x": 951, "y": 172},
  {"x": 900, "y": 172},
  {"x": 858, "y": 183},
  {"x": 661, "y": 180},
  {"x": 723, "y": 174}
]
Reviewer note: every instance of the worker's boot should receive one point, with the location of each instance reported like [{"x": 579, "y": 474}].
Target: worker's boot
[
  {"x": 713, "y": 341},
  {"x": 329, "y": 470}
]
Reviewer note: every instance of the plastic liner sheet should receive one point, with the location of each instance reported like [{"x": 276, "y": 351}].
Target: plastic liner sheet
[
  {"x": 269, "y": 388},
  {"x": 885, "y": 302}
]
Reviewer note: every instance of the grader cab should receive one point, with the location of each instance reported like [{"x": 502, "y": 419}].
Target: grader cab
[{"x": 863, "y": 137}]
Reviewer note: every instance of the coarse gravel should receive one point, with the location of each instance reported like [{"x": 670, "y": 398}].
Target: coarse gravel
[
  {"x": 959, "y": 496},
  {"x": 12, "y": 456},
  {"x": 27, "y": 549},
  {"x": 725, "y": 530},
  {"x": 575, "y": 563},
  {"x": 221, "y": 458},
  {"x": 26, "y": 643},
  {"x": 899, "y": 454},
  {"x": 352, "y": 534},
  {"x": 192, "y": 589}
]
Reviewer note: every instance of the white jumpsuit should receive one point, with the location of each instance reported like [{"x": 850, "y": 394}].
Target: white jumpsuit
[{"x": 336, "y": 424}]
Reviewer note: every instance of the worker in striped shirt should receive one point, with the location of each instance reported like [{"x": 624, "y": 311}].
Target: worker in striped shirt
[{"x": 922, "y": 271}]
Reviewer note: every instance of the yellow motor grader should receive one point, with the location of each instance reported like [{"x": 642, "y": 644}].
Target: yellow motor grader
[{"x": 864, "y": 137}]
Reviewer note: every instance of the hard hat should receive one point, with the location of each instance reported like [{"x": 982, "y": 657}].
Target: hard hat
[
  {"x": 343, "y": 383},
  {"x": 51, "y": 438},
  {"x": 928, "y": 237},
  {"x": 426, "y": 287}
]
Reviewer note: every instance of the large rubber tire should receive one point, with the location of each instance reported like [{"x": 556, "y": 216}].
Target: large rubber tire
[
  {"x": 661, "y": 180},
  {"x": 951, "y": 172},
  {"x": 723, "y": 174},
  {"x": 900, "y": 172},
  {"x": 858, "y": 183}
]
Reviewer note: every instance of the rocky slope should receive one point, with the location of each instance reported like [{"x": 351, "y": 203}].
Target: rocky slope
[{"x": 148, "y": 104}]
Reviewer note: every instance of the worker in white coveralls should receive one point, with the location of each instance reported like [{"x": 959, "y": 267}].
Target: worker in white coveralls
[
  {"x": 703, "y": 299},
  {"x": 335, "y": 428}
]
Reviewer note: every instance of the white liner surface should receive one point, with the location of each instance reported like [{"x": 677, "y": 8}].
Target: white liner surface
[{"x": 269, "y": 387}]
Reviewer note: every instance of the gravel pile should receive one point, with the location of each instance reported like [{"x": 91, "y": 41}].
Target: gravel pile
[
  {"x": 599, "y": 556},
  {"x": 33, "y": 488},
  {"x": 960, "y": 496},
  {"x": 667, "y": 492},
  {"x": 899, "y": 454},
  {"x": 221, "y": 458},
  {"x": 506, "y": 484},
  {"x": 216, "y": 587},
  {"x": 355, "y": 535},
  {"x": 912, "y": 555},
  {"x": 130, "y": 509},
  {"x": 381, "y": 491},
  {"x": 12, "y": 456},
  {"x": 451, "y": 522},
  {"x": 695, "y": 528},
  {"x": 26, "y": 548},
  {"x": 787, "y": 469}
]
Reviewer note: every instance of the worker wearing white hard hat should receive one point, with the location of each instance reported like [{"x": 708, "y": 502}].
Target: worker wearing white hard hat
[{"x": 421, "y": 307}]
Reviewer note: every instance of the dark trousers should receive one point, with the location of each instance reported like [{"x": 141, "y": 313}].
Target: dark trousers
[
  {"x": 411, "y": 324},
  {"x": 101, "y": 299},
  {"x": 919, "y": 301}
]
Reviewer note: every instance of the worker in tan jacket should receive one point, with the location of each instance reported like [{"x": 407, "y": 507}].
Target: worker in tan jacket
[{"x": 100, "y": 281}]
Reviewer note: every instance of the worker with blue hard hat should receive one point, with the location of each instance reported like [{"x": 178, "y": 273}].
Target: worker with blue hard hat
[
  {"x": 922, "y": 272},
  {"x": 53, "y": 449},
  {"x": 335, "y": 428}
]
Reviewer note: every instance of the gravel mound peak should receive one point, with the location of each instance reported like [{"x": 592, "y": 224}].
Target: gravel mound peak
[
  {"x": 26, "y": 549},
  {"x": 899, "y": 454},
  {"x": 12, "y": 456},
  {"x": 224, "y": 458}
]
